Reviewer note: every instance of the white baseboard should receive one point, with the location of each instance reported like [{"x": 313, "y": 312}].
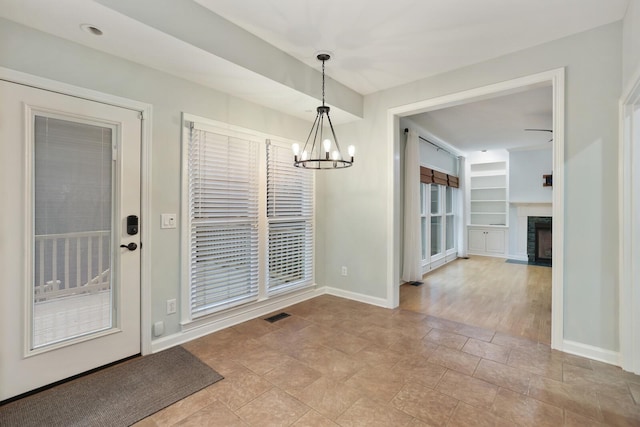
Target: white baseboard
[
  {"x": 232, "y": 317},
  {"x": 505, "y": 256},
  {"x": 518, "y": 257},
  {"x": 591, "y": 352},
  {"x": 380, "y": 302},
  {"x": 427, "y": 268}
]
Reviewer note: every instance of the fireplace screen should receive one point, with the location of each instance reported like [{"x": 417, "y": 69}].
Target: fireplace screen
[
  {"x": 539, "y": 240},
  {"x": 543, "y": 242}
]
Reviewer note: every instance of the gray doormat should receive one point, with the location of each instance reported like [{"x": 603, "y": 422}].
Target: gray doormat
[{"x": 119, "y": 395}]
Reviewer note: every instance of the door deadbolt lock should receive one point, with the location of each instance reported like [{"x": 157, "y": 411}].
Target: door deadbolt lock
[
  {"x": 131, "y": 246},
  {"x": 132, "y": 225}
]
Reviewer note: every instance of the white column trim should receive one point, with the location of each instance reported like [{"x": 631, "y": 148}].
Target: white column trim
[{"x": 629, "y": 231}]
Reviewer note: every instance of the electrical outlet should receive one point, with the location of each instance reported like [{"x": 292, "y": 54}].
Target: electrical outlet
[
  {"x": 171, "y": 306},
  {"x": 344, "y": 270}
]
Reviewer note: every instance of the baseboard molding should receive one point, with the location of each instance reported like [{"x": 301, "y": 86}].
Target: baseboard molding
[
  {"x": 518, "y": 257},
  {"x": 380, "y": 302},
  {"x": 591, "y": 352},
  {"x": 231, "y": 318},
  {"x": 505, "y": 256}
]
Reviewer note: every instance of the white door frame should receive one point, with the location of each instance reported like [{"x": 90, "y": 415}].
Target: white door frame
[
  {"x": 554, "y": 77},
  {"x": 145, "y": 172},
  {"x": 629, "y": 229}
]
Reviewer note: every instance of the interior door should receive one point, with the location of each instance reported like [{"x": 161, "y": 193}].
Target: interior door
[{"x": 70, "y": 183}]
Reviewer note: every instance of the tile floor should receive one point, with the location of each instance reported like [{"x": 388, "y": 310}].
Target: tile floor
[{"x": 340, "y": 362}]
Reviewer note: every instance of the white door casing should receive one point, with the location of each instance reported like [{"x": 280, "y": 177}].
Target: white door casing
[
  {"x": 629, "y": 232},
  {"x": 23, "y": 368}
]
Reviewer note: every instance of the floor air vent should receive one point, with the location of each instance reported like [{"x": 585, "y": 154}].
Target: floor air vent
[
  {"x": 416, "y": 283},
  {"x": 277, "y": 317}
]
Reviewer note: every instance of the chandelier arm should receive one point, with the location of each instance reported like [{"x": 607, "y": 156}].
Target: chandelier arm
[
  {"x": 318, "y": 124},
  {"x": 310, "y": 133},
  {"x": 335, "y": 138},
  {"x": 320, "y": 144}
]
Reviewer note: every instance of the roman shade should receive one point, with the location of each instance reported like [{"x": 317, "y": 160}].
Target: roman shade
[{"x": 430, "y": 176}]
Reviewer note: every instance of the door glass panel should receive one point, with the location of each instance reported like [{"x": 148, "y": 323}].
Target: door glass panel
[{"x": 73, "y": 193}]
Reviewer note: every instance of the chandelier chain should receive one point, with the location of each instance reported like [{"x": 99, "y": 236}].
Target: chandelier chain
[{"x": 323, "y": 83}]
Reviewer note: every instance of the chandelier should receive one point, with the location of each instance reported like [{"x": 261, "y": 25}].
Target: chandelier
[{"x": 321, "y": 150}]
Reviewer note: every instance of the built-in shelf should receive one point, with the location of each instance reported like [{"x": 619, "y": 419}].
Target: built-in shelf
[
  {"x": 488, "y": 193},
  {"x": 529, "y": 203}
]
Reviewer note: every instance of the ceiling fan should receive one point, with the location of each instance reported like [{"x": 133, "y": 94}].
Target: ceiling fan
[{"x": 542, "y": 130}]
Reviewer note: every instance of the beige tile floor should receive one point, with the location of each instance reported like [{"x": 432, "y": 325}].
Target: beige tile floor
[{"x": 340, "y": 362}]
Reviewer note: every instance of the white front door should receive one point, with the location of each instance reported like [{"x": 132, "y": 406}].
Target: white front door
[{"x": 70, "y": 186}]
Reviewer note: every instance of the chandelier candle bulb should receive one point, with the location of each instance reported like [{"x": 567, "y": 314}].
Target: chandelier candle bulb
[
  {"x": 296, "y": 151},
  {"x": 327, "y": 148},
  {"x": 327, "y": 145},
  {"x": 351, "y": 151}
]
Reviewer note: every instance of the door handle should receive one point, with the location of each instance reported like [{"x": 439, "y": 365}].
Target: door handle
[{"x": 131, "y": 246}]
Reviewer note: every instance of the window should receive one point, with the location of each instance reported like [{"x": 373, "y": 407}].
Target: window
[
  {"x": 250, "y": 219},
  {"x": 450, "y": 218},
  {"x": 290, "y": 215},
  {"x": 437, "y": 220},
  {"x": 223, "y": 216}
]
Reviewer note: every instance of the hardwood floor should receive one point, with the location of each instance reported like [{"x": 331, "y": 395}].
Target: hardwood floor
[{"x": 489, "y": 293}]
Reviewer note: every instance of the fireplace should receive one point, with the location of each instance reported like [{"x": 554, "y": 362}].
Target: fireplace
[{"x": 539, "y": 240}]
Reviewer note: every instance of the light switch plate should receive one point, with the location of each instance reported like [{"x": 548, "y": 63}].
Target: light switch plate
[{"x": 168, "y": 220}]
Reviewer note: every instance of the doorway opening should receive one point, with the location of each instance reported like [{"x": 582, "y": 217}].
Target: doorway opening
[{"x": 555, "y": 78}]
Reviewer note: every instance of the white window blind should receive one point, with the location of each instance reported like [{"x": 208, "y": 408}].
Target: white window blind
[
  {"x": 223, "y": 209},
  {"x": 290, "y": 218}
]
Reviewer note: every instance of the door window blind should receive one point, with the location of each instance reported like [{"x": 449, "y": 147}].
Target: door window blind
[
  {"x": 223, "y": 209},
  {"x": 290, "y": 221}
]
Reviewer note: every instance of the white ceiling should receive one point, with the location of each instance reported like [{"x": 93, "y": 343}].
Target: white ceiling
[
  {"x": 378, "y": 44},
  {"x": 375, "y": 44},
  {"x": 497, "y": 123}
]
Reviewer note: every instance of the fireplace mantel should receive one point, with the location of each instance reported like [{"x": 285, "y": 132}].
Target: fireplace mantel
[{"x": 525, "y": 209}]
